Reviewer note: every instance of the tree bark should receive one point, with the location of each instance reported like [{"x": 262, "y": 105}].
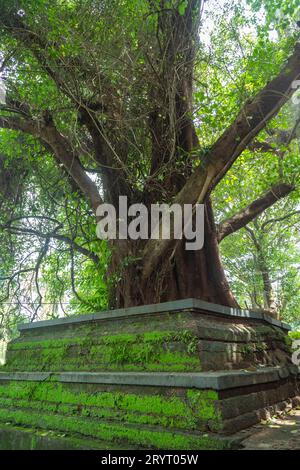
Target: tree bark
[
  {"x": 250, "y": 121},
  {"x": 159, "y": 269},
  {"x": 182, "y": 274},
  {"x": 257, "y": 207},
  {"x": 62, "y": 150}
]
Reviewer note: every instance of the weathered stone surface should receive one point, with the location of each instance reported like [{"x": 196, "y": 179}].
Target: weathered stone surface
[
  {"x": 134, "y": 339},
  {"x": 177, "y": 375},
  {"x": 221, "y": 380},
  {"x": 238, "y": 405},
  {"x": 12, "y": 438},
  {"x": 179, "y": 305}
]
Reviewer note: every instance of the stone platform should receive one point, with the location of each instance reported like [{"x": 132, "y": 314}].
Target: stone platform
[{"x": 178, "y": 375}]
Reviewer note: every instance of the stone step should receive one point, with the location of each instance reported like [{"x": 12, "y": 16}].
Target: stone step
[
  {"x": 220, "y": 380},
  {"x": 117, "y": 433},
  {"x": 223, "y": 402},
  {"x": 23, "y": 438},
  {"x": 179, "y": 375},
  {"x": 165, "y": 307},
  {"x": 182, "y": 336}
]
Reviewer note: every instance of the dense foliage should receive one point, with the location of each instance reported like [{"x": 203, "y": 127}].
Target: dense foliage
[{"x": 87, "y": 65}]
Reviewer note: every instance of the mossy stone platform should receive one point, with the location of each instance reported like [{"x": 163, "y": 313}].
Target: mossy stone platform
[{"x": 178, "y": 375}]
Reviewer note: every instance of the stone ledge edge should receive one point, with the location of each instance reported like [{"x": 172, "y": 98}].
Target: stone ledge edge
[
  {"x": 198, "y": 305},
  {"x": 222, "y": 380}
]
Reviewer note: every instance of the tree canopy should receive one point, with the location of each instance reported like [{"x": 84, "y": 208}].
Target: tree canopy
[{"x": 162, "y": 101}]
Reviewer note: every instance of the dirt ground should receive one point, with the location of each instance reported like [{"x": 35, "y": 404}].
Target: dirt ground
[{"x": 279, "y": 433}]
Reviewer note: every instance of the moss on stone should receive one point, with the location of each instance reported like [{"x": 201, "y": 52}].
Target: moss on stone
[
  {"x": 204, "y": 406},
  {"x": 22, "y": 438},
  {"x": 111, "y": 432},
  {"x": 294, "y": 334},
  {"x": 289, "y": 340},
  {"x": 153, "y": 351},
  {"x": 193, "y": 410}
]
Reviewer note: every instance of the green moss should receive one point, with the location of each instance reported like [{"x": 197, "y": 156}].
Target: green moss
[
  {"x": 184, "y": 336},
  {"x": 192, "y": 410},
  {"x": 73, "y": 365},
  {"x": 204, "y": 406},
  {"x": 163, "y": 351},
  {"x": 138, "y": 419},
  {"x": 251, "y": 349},
  {"x": 22, "y": 438},
  {"x": 294, "y": 334},
  {"x": 103, "y": 413},
  {"x": 289, "y": 341},
  {"x": 113, "y": 432}
]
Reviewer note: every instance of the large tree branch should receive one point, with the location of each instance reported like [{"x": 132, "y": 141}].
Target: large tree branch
[
  {"x": 262, "y": 147},
  {"x": 243, "y": 217},
  {"x": 171, "y": 127},
  {"x": 53, "y": 234},
  {"x": 111, "y": 165},
  {"x": 279, "y": 219},
  {"x": 280, "y": 137},
  {"x": 250, "y": 121},
  {"x": 71, "y": 162},
  {"x": 61, "y": 148},
  {"x": 18, "y": 124}
]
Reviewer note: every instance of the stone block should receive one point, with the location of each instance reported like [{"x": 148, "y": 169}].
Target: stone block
[{"x": 179, "y": 375}]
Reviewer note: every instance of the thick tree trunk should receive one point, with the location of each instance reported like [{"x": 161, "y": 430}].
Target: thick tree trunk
[{"x": 182, "y": 274}]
